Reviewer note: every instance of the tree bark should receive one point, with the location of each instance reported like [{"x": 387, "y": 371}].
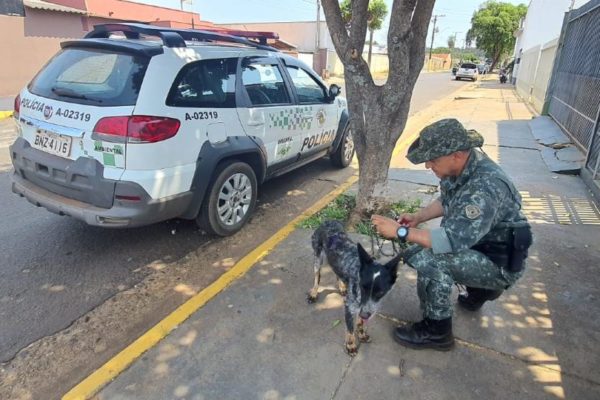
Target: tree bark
[{"x": 378, "y": 114}]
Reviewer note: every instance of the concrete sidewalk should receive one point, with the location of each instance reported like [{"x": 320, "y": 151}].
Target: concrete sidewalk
[{"x": 259, "y": 339}]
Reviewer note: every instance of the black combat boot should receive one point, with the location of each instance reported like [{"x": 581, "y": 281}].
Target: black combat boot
[
  {"x": 427, "y": 334},
  {"x": 475, "y": 298}
]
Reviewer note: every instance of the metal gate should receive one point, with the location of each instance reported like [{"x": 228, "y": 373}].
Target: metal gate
[{"x": 574, "y": 95}]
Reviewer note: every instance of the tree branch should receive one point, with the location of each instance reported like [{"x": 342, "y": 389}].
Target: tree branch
[
  {"x": 337, "y": 29},
  {"x": 358, "y": 26},
  {"x": 398, "y": 42},
  {"x": 419, "y": 27}
]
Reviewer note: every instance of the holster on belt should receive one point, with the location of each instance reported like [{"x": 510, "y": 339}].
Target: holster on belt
[
  {"x": 509, "y": 255},
  {"x": 521, "y": 241}
]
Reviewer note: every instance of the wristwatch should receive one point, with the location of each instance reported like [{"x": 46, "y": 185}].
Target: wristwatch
[{"x": 402, "y": 233}]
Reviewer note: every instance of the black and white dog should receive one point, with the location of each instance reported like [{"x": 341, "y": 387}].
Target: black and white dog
[{"x": 363, "y": 281}]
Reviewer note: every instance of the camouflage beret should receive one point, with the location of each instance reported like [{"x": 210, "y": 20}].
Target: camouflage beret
[{"x": 442, "y": 138}]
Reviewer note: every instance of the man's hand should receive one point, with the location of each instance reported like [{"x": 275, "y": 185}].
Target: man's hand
[
  {"x": 386, "y": 227},
  {"x": 409, "y": 220}
]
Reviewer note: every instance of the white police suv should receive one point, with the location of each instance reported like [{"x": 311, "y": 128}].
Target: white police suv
[{"x": 120, "y": 130}]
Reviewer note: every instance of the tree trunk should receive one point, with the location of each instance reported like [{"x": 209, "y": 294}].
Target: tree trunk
[
  {"x": 495, "y": 59},
  {"x": 378, "y": 114},
  {"x": 374, "y": 135},
  {"x": 370, "y": 47}
]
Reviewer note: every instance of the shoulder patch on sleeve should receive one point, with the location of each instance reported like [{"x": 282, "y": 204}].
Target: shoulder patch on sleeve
[{"x": 472, "y": 211}]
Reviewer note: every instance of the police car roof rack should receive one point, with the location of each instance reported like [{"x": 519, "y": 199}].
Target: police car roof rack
[{"x": 177, "y": 37}]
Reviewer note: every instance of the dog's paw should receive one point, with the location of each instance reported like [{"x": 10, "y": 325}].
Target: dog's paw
[
  {"x": 364, "y": 338},
  {"x": 351, "y": 349},
  {"x": 310, "y": 299},
  {"x": 351, "y": 345}
]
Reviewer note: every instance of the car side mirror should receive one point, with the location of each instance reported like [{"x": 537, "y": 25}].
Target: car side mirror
[{"x": 334, "y": 91}]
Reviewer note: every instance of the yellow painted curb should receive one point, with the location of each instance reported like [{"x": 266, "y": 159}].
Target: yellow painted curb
[
  {"x": 5, "y": 114},
  {"x": 111, "y": 369}
]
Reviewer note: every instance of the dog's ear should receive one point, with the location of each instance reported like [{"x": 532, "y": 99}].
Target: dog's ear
[
  {"x": 392, "y": 265},
  {"x": 364, "y": 257}
]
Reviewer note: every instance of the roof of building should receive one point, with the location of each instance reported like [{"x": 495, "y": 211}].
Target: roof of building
[
  {"x": 44, "y": 5},
  {"x": 131, "y": 11}
]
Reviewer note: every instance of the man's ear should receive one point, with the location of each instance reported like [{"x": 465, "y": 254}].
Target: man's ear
[{"x": 364, "y": 257}]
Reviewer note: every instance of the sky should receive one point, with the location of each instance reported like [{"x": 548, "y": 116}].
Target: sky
[{"x": 456, "y": 14}]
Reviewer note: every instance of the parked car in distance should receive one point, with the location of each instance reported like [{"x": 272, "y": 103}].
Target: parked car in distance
[
  {"x": 119, "y": 131},
  {"x": 467, "y": 71}
]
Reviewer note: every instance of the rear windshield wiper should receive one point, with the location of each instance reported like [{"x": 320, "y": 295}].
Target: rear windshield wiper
[{"x": 72, "y": 94}]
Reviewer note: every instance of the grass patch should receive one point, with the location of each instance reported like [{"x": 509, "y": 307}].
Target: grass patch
[{"x": 341, "y": 207}]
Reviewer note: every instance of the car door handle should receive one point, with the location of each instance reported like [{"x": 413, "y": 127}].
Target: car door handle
[{"x": 256, "y": 122}]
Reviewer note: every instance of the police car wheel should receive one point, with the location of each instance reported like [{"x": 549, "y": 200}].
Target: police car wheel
[
  {"x": 345, "y": 151},
  {"x": 231, "y": 199}
]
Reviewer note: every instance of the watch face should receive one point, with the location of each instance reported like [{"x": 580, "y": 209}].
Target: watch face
[{"x": 402, "y": 231}]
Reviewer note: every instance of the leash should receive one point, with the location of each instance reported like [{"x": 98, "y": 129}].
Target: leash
[
  {"x": 396, "y": 247},
  {"x": 381, "y": 242}
]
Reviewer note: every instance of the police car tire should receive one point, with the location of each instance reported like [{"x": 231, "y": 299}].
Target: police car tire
[
  {"x": 208, "y": 218},
  {"x": 340, "y": 157}
]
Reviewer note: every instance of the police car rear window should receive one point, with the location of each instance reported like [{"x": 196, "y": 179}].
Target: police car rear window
[
  {"x": 91, "y": 77},
  {"x": 470, "y": 66},
  {"x": 206, "y": 83}
]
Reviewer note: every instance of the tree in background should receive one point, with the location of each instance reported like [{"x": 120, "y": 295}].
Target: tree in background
[
  {"x": 451, "y": 41},
  {"x": 378, "y": 114},
  {"x": 492, "y": 28},
  {"x": 375, "y": 15}
]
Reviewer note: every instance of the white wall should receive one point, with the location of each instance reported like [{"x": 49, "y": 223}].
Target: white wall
[
  {"x": 300, "y": 34},
  {"x": 543, "y": 22}
]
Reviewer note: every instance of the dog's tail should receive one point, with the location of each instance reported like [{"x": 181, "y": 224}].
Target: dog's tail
[{"x": 318, "y": 240}]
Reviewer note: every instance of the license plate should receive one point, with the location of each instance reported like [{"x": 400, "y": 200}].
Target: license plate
[{"x": 52, "y": 143}]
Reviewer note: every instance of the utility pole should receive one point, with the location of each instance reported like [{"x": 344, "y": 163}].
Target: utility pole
[
  {"x": 191, "y": 12},
  {"x": 317, "y": 38},
  {"x": 318, "y": 26},
  {"x": 435, "y": 17},
  {"x": 456, "y": 49},
  {"x": 456, "y": 38}
]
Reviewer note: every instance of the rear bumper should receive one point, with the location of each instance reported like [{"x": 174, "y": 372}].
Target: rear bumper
[
  {"x": 466, "y": 76},
  {"x": 78, "y": 189},
  {"x": 123, "y": 214}
]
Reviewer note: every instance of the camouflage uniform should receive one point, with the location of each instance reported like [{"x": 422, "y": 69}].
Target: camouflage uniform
[{"x": 480, "y": 205}]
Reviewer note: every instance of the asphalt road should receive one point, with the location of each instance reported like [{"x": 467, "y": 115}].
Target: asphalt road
[{"x": 54, "y": 270}]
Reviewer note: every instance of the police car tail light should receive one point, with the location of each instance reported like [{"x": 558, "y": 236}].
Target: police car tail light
[
  {"x": 17, "y": 106},
  {"x": 137, "y": 128},
  {"x": 147, "y": 129},
  {"x": 112, "y": 126}
]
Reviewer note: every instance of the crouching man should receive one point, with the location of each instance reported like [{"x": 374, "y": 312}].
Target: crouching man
[{"x": 482, "y": 241}]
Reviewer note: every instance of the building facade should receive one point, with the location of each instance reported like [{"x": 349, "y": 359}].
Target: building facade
[
  {"x": 536, "y": 45},
  {"x": 37, "y": 28}
]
